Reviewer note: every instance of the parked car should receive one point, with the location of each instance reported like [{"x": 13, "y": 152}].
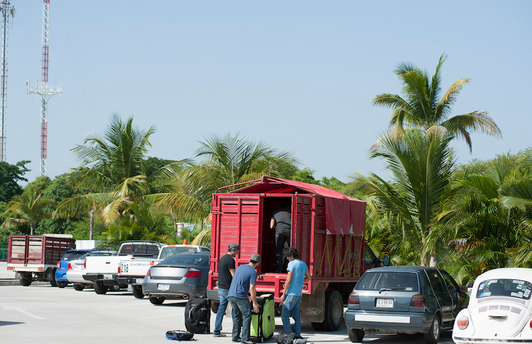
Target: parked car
[
  {"x": 62, "y": 266},
  {"x": 181, "y": 276},
  {"x": 76, "y": 268},
  {"x": 499, "y": 310},
  {"x": 404, "y": 299}
]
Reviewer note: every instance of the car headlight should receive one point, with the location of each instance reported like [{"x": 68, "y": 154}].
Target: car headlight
[{"x": 462, "y": 322}]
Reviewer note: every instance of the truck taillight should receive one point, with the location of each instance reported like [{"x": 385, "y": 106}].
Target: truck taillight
[
  {"x": 353, "y": 299},
  {"x": 148, "y": 274},
  {"x": 59, "y": 264},
  {"x": 85, "y": 263},
  {"x": 193, "y": 273},
  {"x": 462, "y": 322},
  {"x": 418, "y": 301},
  {"x": 152, "y": 263},
  {"x": 118, "y": 268},
  {"x": 69, "y": 266}
]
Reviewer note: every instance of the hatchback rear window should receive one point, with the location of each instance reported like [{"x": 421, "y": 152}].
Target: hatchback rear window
[
  {"x": 505, "y": 287},
  {"x": 186, "y": 259},
  {"x": 399, "y": 281}
]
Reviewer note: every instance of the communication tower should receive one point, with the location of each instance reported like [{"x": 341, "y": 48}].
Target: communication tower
[
  {"x": 7, "y": 10},
  {"x": 44, "y": 90}
]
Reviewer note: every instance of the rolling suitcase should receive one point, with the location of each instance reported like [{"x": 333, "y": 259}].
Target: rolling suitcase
[
  {"x": 198, "y": 315},
  {"x": 263, "y": 323}
]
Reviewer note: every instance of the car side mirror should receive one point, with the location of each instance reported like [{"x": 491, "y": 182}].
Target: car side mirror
[{"x": 386, "y": 260}]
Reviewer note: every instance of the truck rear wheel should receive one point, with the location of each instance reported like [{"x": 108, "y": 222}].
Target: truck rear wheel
[
  {"x": 50, "y": 276},
  {"x": 99, "y": 288},
  {"x": 334, "y": 310},
  {"x": 137, "y": 291},
  {"x": 25, "y": 278},
  {"x": 79, "y": 287}
]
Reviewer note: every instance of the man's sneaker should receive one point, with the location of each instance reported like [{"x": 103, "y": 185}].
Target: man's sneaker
[
  {"x": 247, "y": 342},
  {"x": 219, "y": 335},
  {"x": 237, "y": 340}
]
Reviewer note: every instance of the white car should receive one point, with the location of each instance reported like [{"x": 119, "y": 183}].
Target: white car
[
  {"x": 500, "y": 309},
  {"x": 76, "y": 269}
]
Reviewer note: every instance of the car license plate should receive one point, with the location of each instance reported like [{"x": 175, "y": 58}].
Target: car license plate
[
  {"x": 140, "y": 280},
  {"x": 385, "y": 303},
  {"x": 163, "y": 287},
  {"x": 107, "y": 276}
]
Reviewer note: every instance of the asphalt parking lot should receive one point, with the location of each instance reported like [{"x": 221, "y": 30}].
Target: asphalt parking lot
[{"x": 44, "y": 314}]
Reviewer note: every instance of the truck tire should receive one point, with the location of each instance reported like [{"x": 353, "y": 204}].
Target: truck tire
[
  {"x": 79, "y": 287},
  {"x": 317, "y": 326},
  {"x": 334, "y": 310},
  {"x": 157, "y": 300},
  {"x": 137, "y": 291},
  {"x": 25, "y": 278},
  {"x": 355, "y": 335},
  {"x": 51, "y": 277},
  {"x": 99, "y": 288}
]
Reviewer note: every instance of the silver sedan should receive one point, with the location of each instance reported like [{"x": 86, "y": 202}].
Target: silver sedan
[{"x": 179, "y": 277}]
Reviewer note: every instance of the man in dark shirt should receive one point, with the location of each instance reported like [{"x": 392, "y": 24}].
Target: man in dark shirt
[
  {"x": 244, "y": 282},
  {"x": 281, "y": 222},
  {"x": 226, "y": 270}
]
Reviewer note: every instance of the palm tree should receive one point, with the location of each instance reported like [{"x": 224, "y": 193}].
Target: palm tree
[
  {"x": 421, "y": 106},
  {"x": 114, "y": 167},
  {"x": 29, "y": 208},
  {"x": 420, "y": 167}
]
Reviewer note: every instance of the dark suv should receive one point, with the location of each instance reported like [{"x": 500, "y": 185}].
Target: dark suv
[{"x": 404, "y": 299}]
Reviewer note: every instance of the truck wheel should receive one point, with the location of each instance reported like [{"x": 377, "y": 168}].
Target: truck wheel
[
  {"x": 51, "y": 277},
  {"x": 355, "y": 335},
  {"x": 334, "y": 310},
  {"x": 433, "y": 336},
  {"x": 25, "y": 278},
  {"x": 214, "y": 307},
  {"x": 137, "y": 291},
  {"x": 99, "y": 288},
  {"x": 78, "y": 287},
  {"x": 62, "y": 284},
  {"x": 157, "y": 300}
]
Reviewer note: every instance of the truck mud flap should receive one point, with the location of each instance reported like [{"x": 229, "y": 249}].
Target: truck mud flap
[{"x": 313, "y": 306}]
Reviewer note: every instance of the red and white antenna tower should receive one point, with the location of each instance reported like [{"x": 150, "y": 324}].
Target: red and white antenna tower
[
  {"x": 44, "y": 90},
  {"x": 7, "y": 10}
]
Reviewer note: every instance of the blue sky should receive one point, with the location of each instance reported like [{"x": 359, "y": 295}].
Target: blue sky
[{"x": 299, "y": 75}]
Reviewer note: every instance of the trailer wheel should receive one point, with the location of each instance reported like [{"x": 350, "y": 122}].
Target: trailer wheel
[
  {"x": 25, "y": 278},
  {"x": 137, "y": 291},
  {"x": 334, "y": 310},
  {"x": 79, "y": 287},
  {"x": 355, "y": 335},
  {"x": 99, "y": 288},
  {"x": 157, "y": 300}
]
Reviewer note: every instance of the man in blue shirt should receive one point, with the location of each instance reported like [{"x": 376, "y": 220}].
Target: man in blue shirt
[
  {"x": 293, "y": 289},
  {"x": 244, "y": 281}
]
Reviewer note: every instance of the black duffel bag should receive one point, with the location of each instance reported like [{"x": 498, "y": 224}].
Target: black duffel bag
[{"x": 198, "y": 315}]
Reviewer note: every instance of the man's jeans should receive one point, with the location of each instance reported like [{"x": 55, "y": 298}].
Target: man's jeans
[
  {"x": 281, "y": 236},
  {"x": 291, "y": 303},
  {"x": 241, "y": 317},
  {"x": 222, "y": 294}
]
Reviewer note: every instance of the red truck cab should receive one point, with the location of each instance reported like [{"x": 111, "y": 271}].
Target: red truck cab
[{"x": 327, "y": 228}]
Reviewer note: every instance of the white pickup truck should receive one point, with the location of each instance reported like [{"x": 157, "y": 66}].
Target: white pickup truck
[
  {"x": 103, "y": 271},
  {"x": 132, "y": 270}
]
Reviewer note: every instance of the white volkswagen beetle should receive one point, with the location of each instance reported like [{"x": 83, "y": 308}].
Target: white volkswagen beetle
[{"x": 499, "y": 309}]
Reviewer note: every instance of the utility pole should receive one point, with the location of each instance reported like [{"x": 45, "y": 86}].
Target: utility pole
[
  {"x": 7, "y": 10},
  {"x": 44, "y": 90}
]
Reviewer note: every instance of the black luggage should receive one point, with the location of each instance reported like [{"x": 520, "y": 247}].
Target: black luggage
[{"x": 198, "y": 315}]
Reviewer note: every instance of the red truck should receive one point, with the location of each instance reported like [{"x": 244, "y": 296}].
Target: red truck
[
  {"x": 328, "y": 230},
  {"x": 35, "y": 257}
]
